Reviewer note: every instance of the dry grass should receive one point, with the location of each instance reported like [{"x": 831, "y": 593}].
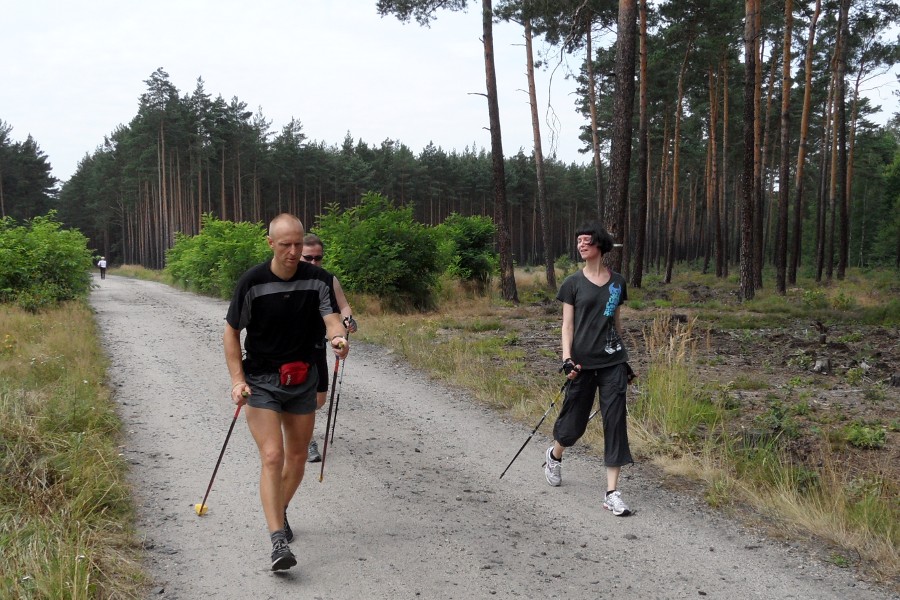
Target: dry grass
[{"x": 65, "y": 510}]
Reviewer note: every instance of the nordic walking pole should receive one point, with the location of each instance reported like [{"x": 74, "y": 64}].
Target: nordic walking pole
[
  {"x": 337, "y": 360},
  {"x": 337, "y": 403},
  {"x": 536, "y": 427},
  {"x": 201, "y": 508}
]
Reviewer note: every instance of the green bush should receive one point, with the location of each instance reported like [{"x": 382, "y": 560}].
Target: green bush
[
  {"x": 212, "y": 261},
  {"x": 42, "y": 264},
  {"x": 467, "y": 248},
  {"x": 815, "y": 299},
  {"x": 843, "y": 302},
  {"x": 565, "y": 265},
  {"x": 861, "y": 435},
  {"x": 377, "y": 248}
]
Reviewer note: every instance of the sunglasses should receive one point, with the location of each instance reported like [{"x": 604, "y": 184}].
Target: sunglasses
[{"x": 311, "y": 258}]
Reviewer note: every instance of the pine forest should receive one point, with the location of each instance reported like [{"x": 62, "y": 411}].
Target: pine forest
[{"x": 727, "y": 135}]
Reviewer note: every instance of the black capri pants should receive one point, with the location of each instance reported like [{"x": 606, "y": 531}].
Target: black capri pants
[{"x": 612, "y": 383}]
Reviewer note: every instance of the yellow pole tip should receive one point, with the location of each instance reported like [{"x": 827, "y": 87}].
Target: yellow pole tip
[{"x": 201, "y": 509}]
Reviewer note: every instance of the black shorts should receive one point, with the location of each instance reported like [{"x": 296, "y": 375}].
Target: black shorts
[{"x": 267, "y": 392}]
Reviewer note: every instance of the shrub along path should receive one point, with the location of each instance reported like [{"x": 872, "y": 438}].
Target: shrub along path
[{"x": 411, "y": 504}]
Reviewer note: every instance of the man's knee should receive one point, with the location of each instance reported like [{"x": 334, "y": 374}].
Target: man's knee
[{"x": 272, "y": 457}]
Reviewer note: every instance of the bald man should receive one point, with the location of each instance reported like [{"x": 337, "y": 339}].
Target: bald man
[{"x": 284, "y": 304}]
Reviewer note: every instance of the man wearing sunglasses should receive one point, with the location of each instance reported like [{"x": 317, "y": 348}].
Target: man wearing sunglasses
[{"x": 314, "y": 252}]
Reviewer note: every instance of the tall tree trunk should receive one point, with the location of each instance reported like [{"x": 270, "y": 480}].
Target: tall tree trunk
[
  {"x": 543, "y": 215},
  {"x": 824, "y": 158},
  {"x": 833, "y": 179},
  {"x": 723, "y": 204},
  {"x": 595, "y": 132},
  {"x": 765, "y": 179},
  {"x": 747, "y": 288},
  {"x": 670, "y": 252},
  {"x": 843, "y": 198},
  {"x": 643, "y": 157},
  {"x": 785, "y": 171},
  {"x": 507, "y": 275},
  {"x": 705, "y": 239},
  {"x": 758, "y": 145},
  {"x": 224, "y": 206},
  {"x": 623, "y": 110},
  {"x": 661, "y": 196},
  {"x": 802, "y": 150},
  {"x": 714, "y": 210}
]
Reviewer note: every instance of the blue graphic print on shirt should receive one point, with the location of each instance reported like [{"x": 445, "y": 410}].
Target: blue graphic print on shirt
[{"x": 615, "y": 292}]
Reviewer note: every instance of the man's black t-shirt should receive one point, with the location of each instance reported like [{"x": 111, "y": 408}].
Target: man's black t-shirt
[{"x": 283, "y": 318}]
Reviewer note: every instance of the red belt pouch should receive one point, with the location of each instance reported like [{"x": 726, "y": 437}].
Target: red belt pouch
[{"x": 293, "y": 373}]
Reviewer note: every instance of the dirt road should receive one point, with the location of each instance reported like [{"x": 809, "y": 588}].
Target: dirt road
[{"x": 411, "y": 505}]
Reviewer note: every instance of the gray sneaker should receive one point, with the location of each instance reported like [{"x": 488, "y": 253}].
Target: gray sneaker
[
  {"x": 313, "y": 455},
  {"x": 552, "y": 468},
  {"x": 282, "y": 557},
  {"x": 615, "y": 504}
]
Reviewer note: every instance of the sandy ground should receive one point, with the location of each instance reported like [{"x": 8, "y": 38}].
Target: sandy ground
[{"x": 411, "y": 505}]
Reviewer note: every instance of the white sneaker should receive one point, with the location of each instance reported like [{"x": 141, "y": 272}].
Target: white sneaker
[
  {"x": 552, "y": 468},
  {"x": 615, "y": 504}
]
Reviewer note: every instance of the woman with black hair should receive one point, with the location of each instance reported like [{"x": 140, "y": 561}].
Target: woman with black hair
[{"x": 594, "y": 360}]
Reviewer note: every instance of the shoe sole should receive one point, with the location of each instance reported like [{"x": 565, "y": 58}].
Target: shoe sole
[
  {"x": 314, "y": 459},
  {"x": 624, "y": 513},
  {"x": 283, "y": 562}
]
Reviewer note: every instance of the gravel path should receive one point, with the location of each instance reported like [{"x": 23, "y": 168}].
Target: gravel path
[{"x": 411, "y": 505}]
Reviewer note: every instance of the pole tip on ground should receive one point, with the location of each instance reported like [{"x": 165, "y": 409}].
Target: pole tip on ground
[{"x": 201, "y": 509}]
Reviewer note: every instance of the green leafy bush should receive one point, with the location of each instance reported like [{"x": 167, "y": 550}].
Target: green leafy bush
[
  {"x": 815, "y": 299},
  {"x": 377, "y": 248},
  {"x": 863, "y": 436},
  {"x": 212, "y": 261},
  {"x": 843, "y": 302},
  {"x": 42, "y": 264},
  {"x": 565, "y": 265},
  {"x": 467, "y": 248}
]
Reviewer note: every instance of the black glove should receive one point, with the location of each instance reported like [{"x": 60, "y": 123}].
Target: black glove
[
  {"x": 631, "y": 374},
  {"x": 350, "y": 324},
  {"x": 568, "y": 366}
]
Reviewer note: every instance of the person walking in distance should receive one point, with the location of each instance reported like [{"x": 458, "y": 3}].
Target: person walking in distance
[
  {"x": 284, "y": 304},
  {"x": 594, "y": 359},
  {"x": 314, "y": 252},
  {"x": 102, "y": 265}
]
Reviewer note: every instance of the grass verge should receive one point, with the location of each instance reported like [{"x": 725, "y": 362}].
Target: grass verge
[
  {"x": 65, "y": 510},
  {"x": 677, "y": 420}
]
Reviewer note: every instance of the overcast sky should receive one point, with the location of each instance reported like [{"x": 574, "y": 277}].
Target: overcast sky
[{"x": 71, "y": 71}]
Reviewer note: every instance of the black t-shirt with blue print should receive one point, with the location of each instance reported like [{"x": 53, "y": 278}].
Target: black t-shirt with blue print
[{"x": 596, "y": 343}]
